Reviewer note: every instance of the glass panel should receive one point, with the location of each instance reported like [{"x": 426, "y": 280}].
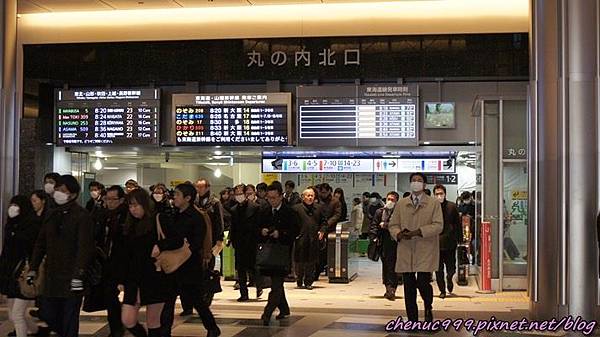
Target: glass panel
[
  {"x": 514, "y": 132},
  {"x": 515, "y": 218}
]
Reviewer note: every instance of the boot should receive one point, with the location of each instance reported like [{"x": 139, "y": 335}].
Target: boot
[
  {"x": 244, "y": 295},
  {"x": 214, "y": 332},
  {"x": 450, "y": 284},
  {"x": 138, "y": 331},
  {"x": 388, "y": 293},
  {"x": 154, "y": 332},
  {"x": 392, "y": 294}
]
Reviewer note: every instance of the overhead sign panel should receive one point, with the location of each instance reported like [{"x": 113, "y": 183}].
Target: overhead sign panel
[
  {"x": 107, "y": 117},
  {"x": 366, "y": 115},
  {"x": 240, "y": 119},
  {"x": 357, "y": 165}
]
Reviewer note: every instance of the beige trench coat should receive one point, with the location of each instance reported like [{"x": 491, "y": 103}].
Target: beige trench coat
[{"x": 419, "y": 254}]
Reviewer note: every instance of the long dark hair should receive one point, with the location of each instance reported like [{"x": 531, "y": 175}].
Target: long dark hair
[
  {"x": 25, "y": 208},
  {"x": 144, "y": 225},
  {"x": 343, "y": 202}
]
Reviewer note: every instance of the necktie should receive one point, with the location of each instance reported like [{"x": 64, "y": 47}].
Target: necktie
[{"x": 415, "y": 201}]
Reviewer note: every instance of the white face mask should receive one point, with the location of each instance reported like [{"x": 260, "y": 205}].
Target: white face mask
[
  {"x": 416, "y": 186},
  {"x": 390, "y": 204},
  {"x": 240, "y": 198},
  {"x": 49, "y": 188},
  {"x": 13, "y": 211},
  {"x": 61, "y": 198},
  {"x": 94, "y": 194},
  {"x": 158, "y": 197},
  {"x": 373, "y": 200}
]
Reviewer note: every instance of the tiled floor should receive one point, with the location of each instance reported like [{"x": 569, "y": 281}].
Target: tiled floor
[{"x": 332, "y": 310}]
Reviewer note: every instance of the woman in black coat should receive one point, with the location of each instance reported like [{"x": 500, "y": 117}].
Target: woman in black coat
[
  {"x": 306, "y": 249},
  {"x": 19, "y": 237},
  {"x": 279, "y": 225},
  {"x": 144, "y": 283}
]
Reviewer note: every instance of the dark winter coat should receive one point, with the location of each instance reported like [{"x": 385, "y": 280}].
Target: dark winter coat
[
  {"x": 332, "y": 210},
  {"x": 189, "y": 225},
  {"x": 66, "y": 239},
  {"x": 114, "y": 244},
  {"x": 20, "y": 234},
  {"x": 212, "y": 205},
  {"x": 140, "y": 272},
  {"x": 292, "y": 199},
  {"x": 383, "y": 234},
  {"x": 452, "y": 232},
  {"x": 285, "y": 221},
  {"x": 244, "y": 233},
  {"x": 310, "y": 218}
]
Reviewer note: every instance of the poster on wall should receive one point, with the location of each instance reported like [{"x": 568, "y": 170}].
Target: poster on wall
[
  {"x": 343, "y": 179},
  {"x": 439, "y": 115},
  {"x": 363, "y": 180}
]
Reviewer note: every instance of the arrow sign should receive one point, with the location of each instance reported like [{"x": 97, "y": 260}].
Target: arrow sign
[{"x": 392, "y": 164}]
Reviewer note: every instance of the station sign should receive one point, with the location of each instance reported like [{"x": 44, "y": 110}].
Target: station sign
[
  {"x": 365, "y": 115},
  {"x": 107, "y": 117},
  {"x": 232, "y": 119},
  {"x": 357, "y": 165}
]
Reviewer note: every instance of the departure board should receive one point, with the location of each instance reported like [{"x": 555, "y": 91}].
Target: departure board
[
  {"x": 367, "y": 115},
  {"x": 107, "y": 117},
  {"x": 240, "y": 119}
]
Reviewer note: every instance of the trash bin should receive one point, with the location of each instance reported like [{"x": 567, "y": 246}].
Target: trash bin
[{"x": 342, "y": 261}]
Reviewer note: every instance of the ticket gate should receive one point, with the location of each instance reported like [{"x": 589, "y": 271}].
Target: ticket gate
[{"x": 342, "y": 259}]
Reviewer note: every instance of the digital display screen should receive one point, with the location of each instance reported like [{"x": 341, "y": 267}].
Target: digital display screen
[
  {"x": 241, "y": 119},
  {"x": 107, "y": 117},
  {"x": 367, "y": 115}
]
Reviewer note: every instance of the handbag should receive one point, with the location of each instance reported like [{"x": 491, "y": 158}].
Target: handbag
[
  {"x": 93, "y": 273},
  {"x": 32, "y": 290},
  {"x": 170, "y": 260},
  {"x": 273, "y": 257},
  {"x": 212, "y": 282},
  {"x": 374, "y": 250}
]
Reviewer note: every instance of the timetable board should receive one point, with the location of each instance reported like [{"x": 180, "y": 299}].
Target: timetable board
[
  {"x": 107, "y": 117},
  {"x": 239, "y": 119},
  {"x": 365, "y": 115}
]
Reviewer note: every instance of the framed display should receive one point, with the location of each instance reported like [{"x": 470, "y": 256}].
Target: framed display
[{"x": 439, "y": 115}]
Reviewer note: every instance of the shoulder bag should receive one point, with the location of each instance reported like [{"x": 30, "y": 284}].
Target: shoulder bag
[{"x": 170, "y": 260}]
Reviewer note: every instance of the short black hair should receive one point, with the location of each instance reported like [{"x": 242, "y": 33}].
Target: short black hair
[
  {"x": 325, "y": 186},
  {"x": 205, "y": 180},
  {"x": 406, "y": 194},
  {"x": 366, "y": 194},
  {"x": 439, "y": 186},
  {"x": 187, "y": 190},
  {"x": 239, "y": 187},
  {"x": 290, "y": 184},
  {"x": 356, "y": 200},
  {"x": 96, "y": 184},
  {"x": 69, "y": 182},
  {"x": 118, "y": 189},
  {"x": 375, "y": 195},
  {"x": 394, "y": 194},
  {"x": 418, "y": 174},
  {"x": 261, "y": 187},
  {"x": 275, "y": 186},
  {"x": 52, "y": 175}
]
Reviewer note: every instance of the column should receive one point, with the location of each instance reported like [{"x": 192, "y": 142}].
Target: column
[
  {"x": 9, "y": 118},
  {"x": 563, "y": 161}
]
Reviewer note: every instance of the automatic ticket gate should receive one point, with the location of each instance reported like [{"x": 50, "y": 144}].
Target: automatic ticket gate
[{"x": 342, "y": 259}]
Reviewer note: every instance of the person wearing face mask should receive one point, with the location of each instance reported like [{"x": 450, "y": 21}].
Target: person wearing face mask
[
  {"x": 160, "y": 196},
  {"x": 449, "y": 238},
  {"x": 20, "y": 233},
  {"x": 415, "y": 225},
  {"x": 306, "y": 247},
  {"x": 49, "y": 183},
  {"x": 243, "y": 236},
  {"x": 379, "y": 230},
  {"x": 96, "y": 192},
  {"x": 66, "y": 239}
]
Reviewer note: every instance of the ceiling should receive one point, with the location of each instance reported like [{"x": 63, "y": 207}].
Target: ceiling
[{"x": 45, "y": 6}]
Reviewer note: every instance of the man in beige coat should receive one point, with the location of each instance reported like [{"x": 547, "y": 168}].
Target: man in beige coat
[{"x": 416, "y": 224}]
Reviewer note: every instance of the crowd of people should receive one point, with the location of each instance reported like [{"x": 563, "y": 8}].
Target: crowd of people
[{"x": 157, "y": 244}]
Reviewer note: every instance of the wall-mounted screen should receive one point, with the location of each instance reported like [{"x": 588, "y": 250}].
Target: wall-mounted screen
[
  {"x": 366, "y": 115},
  {"x": 240, "y": 119},
  {"x": 107, "y": 117},
  {"x": 439, "y": 115}
]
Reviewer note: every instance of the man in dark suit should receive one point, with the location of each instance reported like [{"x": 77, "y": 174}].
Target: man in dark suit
[
  {"x": 449, "y": 239},
  {"x": 279, "y": 225}
]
